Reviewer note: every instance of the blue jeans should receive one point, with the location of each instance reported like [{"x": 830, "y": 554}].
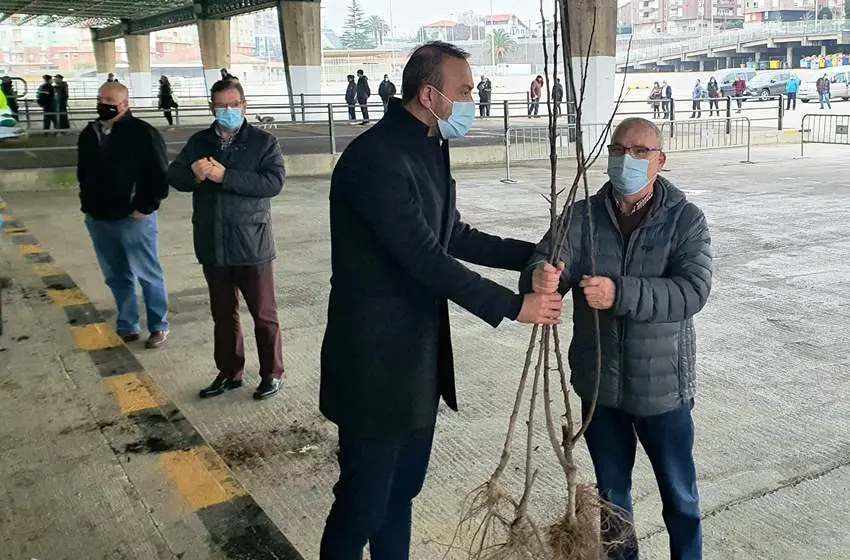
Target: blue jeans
[
  {"x": 127, "y": 252},
  {"x": 378, "y": 479},
  {"x": 825, "y": 98},
  {"x": 668, "y": 440}
]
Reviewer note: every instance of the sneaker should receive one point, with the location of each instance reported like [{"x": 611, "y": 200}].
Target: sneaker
[{"x": 156, "y": 339}]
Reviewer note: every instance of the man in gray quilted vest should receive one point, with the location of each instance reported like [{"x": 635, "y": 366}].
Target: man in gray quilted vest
[{"x": 653, "y": 274}]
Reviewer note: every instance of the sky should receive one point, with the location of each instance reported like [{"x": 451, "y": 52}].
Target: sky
[{"x": 409, "y": 15}]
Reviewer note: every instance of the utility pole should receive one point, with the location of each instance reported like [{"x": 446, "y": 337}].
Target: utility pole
[{"x": 492, "y": 40}]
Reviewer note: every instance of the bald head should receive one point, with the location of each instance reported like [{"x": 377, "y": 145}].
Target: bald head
[
  {"x": 647, "y": 130},
  {"x": 113, "y": 101}
]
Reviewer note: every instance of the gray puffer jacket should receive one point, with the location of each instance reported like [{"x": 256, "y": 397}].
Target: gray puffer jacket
[{"x": 663, "y": 279}]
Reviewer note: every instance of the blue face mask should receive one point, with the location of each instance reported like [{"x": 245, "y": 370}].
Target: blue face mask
[
  {"x": 459, "y": 122},
  {"x": 627, "y": 174},
  {"x": 229, "y": 118}
]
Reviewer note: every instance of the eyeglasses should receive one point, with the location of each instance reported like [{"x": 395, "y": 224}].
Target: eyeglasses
[{"x": 637, "y": 152}]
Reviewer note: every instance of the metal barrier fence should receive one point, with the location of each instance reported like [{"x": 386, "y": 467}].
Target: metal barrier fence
[
  {"x": 824, "y": 129},
  {"x": 696, "y": 135}
]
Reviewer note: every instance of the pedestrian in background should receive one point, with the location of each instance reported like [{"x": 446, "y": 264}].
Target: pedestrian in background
[
  {"x": 557, "y": 96},
  {"x": 363, "y": 94},
  {"x": 45, "y": 97},
  {"x": 233, "y": 170},
  {"x": 386, "y": 91},
  {"x": 824, "y": 93},
  {"x": 696, "y": 96},
  {"x": 713, "y": 97},
  {"x": 667, "y": 100},
  {"x": 11, "y": 94},
  {"x": 121, "y": 167},
  {"x": 740, "y": 87},
  {"x": 655, "y": 97},
  {"x": 165, "y": 99},
  {"x": 534, "y": 94},
  {"x": 485, "y": 92},
  {"x": 792, "y": 86},
  {"x": 351, "y": 97},
  {"x": 61, "y": 88}
]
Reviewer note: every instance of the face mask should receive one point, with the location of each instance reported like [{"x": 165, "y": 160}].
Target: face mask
[
  {"x": 628, "y": 175},
  {"x": 229, "y": 118},
  {"x": 459, "y": 122},
  {"x": 106, "y": 112}
]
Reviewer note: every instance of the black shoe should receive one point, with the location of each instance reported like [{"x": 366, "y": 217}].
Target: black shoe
[
  {"x": 220, "y": 386},
  {"x": 130, "y": 337},
  {"x": 268, "y": 388}
]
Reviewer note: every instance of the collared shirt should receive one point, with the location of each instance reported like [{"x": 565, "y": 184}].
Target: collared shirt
[
  {"x": 629, "y": 222},
  {"x": 226, "y": 139}
]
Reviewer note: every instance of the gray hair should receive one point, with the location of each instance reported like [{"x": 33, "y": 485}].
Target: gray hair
[
  {"x": 638, "y": 122},
  {"x": 116, "y": 86}
]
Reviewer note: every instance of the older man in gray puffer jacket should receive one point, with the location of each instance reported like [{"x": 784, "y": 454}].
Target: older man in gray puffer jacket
[{"x": 653, "y": 274}]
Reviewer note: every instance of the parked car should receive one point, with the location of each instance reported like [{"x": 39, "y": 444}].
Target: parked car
[
  {"x": 727, "y": 77},
  {"x": 768, "y": 84},
  {"x": 839, "y": 86}
]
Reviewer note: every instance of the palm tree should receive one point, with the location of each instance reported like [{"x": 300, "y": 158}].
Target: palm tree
[
  {"x": 378, "y": 28},
  {"x": 502, "y": 44}
]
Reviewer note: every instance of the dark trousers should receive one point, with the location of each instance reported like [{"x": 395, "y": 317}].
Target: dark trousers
[
  {"x": 792, "y": 100},
  {"x": 364, "y": 109},
  {"x": 666, "y": 106},
  {"x": 484, "y": 107},
  {"x": 697, "y": 109},
  {"x": 50, "y": 118},
  {"x": 256, "y": 283},
  {"x": 167, "y": 114},
  {"x": 739, "y": 101},
  {"x": 352, "y": 112},
  {"x": 378, "y": 479},
  {"x": 714, "y": 105},
  {"x": 668, "y": 440}
]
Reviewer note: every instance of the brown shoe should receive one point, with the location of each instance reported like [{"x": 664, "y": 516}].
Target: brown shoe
[
  {"x": 130, "y": 337},
  {"x": 156, "y": 339}
]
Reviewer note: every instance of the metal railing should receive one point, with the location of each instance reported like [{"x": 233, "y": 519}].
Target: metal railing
[
  {"x": 824, "y": 129},
  {"x": 708, "y": 134}
]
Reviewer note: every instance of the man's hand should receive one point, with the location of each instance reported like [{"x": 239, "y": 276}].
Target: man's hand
[
  {"x": 599, "y": 291},
  {"x": 541, "y": 309},
  {"x": 201, "y": 169},
  {"x": 216, "y": 171},
  {"x": 546, "y": 278},
  {"x": 136, "y": 215}
]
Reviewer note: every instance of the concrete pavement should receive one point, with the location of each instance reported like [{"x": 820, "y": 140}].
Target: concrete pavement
[{"x": 772, "y": 445}]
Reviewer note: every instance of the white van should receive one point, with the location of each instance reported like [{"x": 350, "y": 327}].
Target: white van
[{"x": 839, "y": 85}]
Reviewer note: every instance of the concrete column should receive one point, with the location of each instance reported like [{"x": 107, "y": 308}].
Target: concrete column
[
  {"x": 104, "y": 58},
  {"x": 139, "y": 60},
  {"x": 702, "y": 65},
  {"x": 600, "y": 59},
  {"x": 789, "y": 57},
  {"x": 214, "y": 36},
  {"x": 728, "y": 62},
  {"x": 301, "y": 36},
  {"x": 757, "y": 56},
  {"x": 823, "y": 50}
]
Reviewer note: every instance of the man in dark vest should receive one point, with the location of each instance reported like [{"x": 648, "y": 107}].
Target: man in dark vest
[{"x": 396, "y": 243}]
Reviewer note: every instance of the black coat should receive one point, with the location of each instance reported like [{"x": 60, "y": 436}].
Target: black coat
[
  {"x": 386, "y": 90},
  {"x": 363, "y": 89},
  {"x": 232, "y": 221},
  {"x": 165, "y": 97},
  {"x": 351, "y": 93},
  {"x": 395, "y": 240},
  {"x": 124, "y": 172}
]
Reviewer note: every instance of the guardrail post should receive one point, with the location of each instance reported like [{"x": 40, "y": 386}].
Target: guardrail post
[
  {"x": 331, "y": 131},
  {"x": 27, "y": 113},
  {"x": 507, "y": 108},
  {"x": 672, "y": 110},
  {"x": 781, "y": 110},
  {"x": 728, "y": 115},
  {"x": 177, "y": 115},
  {"x": 303, "y": 109},
  {"x": 508, "y": 179}
]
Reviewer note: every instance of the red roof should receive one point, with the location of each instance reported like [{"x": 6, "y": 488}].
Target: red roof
[
  {"x": 499, "y": 18},
  {"x": 442, "y": 24}
]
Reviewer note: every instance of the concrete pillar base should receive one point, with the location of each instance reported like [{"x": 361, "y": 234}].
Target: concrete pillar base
[
  {"x": 702, "y": 66},
  {"x": 301, "y": 30},
  {"x": 139, "y": 60},
  {"x": 214, "y": 37},
  {"x": 104, "y": 58},
  {"x": 600, "y": 95}
]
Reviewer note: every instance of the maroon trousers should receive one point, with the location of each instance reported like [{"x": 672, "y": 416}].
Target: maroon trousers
[{"x": 257, "y": 286}]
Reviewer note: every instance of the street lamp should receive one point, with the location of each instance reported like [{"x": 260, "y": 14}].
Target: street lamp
[{"x": 492, "y": 40}]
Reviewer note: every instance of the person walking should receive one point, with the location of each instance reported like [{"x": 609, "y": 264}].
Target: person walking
[
  {"x": 363, "y": 94},
  {"x": 121, "y": 168},
  {"x": 534, "y": 95},
  {"x": 655, "y": 97},
  {"x": 61, "y": 88},
  {"x": 740, "y": 87},
  {"x": 45, "y": 97},
  {"x": 233, "y": 170},
  {"x": 11, "y": 94},
  {"x": 557, "y": 96},
  {"x": 165, "y": 99},
  {"x": 485, "y": 93},
  {"x": 397, "y": 240},
  {"x": 645, "y": 302},
  {"x": 351, "y": 98},
  {"x": 792, "y": 86},
  {"x": 713, "y": 97},
  {"x": 386, "y": 91},
  {"x": 696, "y": 96},
  {"x": 667, "y": 101},
  {"x": 824, "y": 93}
]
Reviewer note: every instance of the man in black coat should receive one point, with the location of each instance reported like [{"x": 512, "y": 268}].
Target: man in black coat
[
  {"x": 386, "y": 91},
  {"x": 485, "y": 91},
  {"x": 45, "y": 97},
  {"x": 363, "y": 94},
  {"x": 233, "y": 170},
  {"x": 396, "y": 243},
  {"x": 351, "y": 97},
  {"x": 121, "y": 169}
]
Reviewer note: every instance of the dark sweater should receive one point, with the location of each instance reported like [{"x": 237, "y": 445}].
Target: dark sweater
[{"x": 122, "y": 171}]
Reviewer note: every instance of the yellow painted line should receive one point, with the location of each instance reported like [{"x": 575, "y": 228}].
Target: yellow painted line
[
  {"x": 29, "y": 249},
  {"x": 97, "y": 336},
  {"x": 133, "y": 394},
  {"x": 15, "y": 232},
  {"x": 47, "y": 269},
  {"x": 72, "y": 296},
  {"x": 201, "y": 478}
]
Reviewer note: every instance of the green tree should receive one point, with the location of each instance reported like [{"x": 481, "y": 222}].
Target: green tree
[
  {"x": 377, "y": 28},
  {"x": 356, "y": 34},
  {"x": 501, "y": 44}
]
